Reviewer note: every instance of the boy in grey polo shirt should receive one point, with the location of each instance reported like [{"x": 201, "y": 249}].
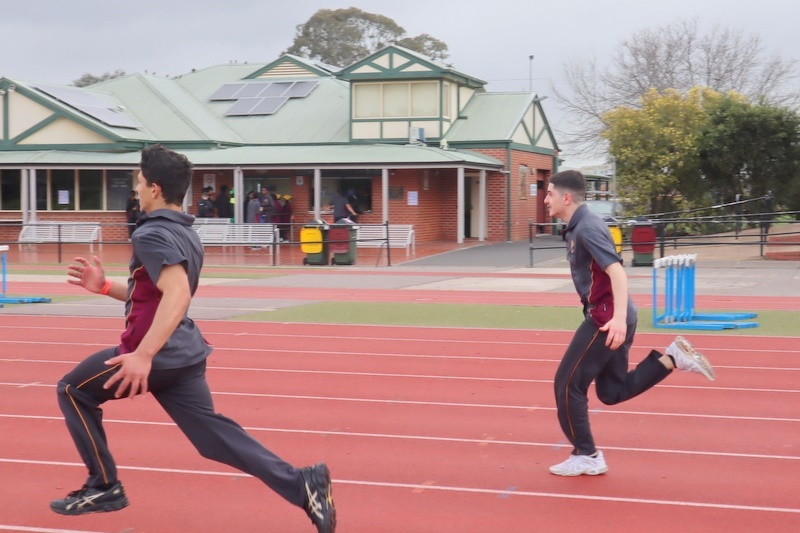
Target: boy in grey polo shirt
[
  {"x": 599, "y": 350},
  {"x": 163, "y": 352}
]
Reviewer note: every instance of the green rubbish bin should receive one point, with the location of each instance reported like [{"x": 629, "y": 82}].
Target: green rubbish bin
[
  {"x": 643, "y": 241},
  {"x": 313, "y": 243},
  {"x": 342, "y": 240}
]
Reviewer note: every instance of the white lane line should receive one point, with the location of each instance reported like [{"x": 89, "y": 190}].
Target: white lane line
[
  {"x": 447, "y": 488},
  {"x": 405, "y": 339},
  {"x": 433, "y": 438},
  {"x": 25, "y": 529},
  {"x": 529, "y": 408},
  {"x": 329, "y": 353}
]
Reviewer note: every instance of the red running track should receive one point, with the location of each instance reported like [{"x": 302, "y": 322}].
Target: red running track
[
  {"x": 568, "y": 298},
  {"x": 425, "y": 430}
]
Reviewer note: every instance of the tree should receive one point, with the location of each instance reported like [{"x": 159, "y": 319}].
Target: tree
[
  {"x": 750, "y": 150},
  {"x": 676, "y": 56},
  {"x": 341, "y": 37},
  {"x": 655, "y": 146},
  {"x": 89, "y": 79},
  {"x": 426, "y": 45}
]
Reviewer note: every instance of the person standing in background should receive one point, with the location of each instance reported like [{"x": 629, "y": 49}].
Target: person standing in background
[
  {"x": 253, "y": 209},
  {"x": 205, "y": 207},
  {"x": 132, "y": 212},
  {"x": 223, "y": 203}
]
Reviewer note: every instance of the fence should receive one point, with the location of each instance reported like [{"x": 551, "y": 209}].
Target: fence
[
  {"x": 778, "y": 232},
  {"x": 55, "y": 241}
]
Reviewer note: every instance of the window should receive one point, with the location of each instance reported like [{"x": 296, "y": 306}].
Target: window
[
  {"x": 120, "y": 185},
  {"x": 62, "y": 190},
  {"x": 446, "y": 100},
  {"x": 367, "y": 101},
  {"x": 41, "y": 190},
  {"x": 396, "y": 100},
  {"x": 10, "y": 190},
  {"x": 524, "y": 175},
  {"x": 90, "y": 186},
  {"x": 424, "y": 99}
]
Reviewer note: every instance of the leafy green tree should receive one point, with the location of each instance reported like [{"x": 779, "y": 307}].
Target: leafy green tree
[
  {"x": 655, "y": 146},
  {"x": 90, "y": 79},
  {"x": 750, "y": 150},
  {"x": 426, "y": 45},
  {"x": 341, "y": 37}
]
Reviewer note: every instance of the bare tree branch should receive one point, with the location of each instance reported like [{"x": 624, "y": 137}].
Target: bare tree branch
[{"x": 676, "y": 56}]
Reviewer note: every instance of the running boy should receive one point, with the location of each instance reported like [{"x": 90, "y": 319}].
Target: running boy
[
  {"x": 162, "y": 352},
  {"x": 599, "y": 350}
]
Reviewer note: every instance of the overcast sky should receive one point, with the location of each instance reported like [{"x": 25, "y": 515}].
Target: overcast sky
[{"x": 57, "y": 41}]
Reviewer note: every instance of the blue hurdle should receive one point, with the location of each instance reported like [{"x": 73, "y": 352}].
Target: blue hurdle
[
  {"x": 679, "y": 299},
  {"x": 5, "y": 299}
]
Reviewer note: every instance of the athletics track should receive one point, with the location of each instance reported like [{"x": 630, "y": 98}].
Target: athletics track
[{"x": 425, "y": 430}]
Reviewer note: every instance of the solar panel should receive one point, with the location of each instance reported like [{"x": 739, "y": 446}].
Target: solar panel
[
  {"x": 243, "y": 106},
  {"x": 109, "y": 116},
  {"x": 261, "y": 98},
  {"x": 72, "y": 96},
  {"x": 276, "y": 89},
  {"x": 101, "y": 107},
  {"x": 227, "y": 91},
  {"x": 251, "y": 90},
  {"x": 301, "y": 89},
  {"x": 269, "y": 105}
]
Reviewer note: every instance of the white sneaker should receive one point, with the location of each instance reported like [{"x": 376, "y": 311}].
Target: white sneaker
[
  {"x": 578, "y": 465},
  {"x": 688, "y": 360}
]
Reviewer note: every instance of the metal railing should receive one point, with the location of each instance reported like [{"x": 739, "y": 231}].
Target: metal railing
[{"x": 776, "y": 229}]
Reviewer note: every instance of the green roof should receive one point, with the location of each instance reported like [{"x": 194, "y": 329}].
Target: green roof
[
  {"x": 178, "y": 112},
  {"x": 376, "y": 155}
]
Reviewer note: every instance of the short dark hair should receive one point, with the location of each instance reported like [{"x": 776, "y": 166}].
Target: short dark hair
[
  {"x": 571, "y": 181},
  {"x": 169, "y": 170}
]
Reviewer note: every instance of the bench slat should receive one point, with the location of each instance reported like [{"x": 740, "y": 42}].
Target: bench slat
[
  {"x": 237, "y": 234},
  {"x": 65, "y": 232},
  {"x": 400, "y": 236}
]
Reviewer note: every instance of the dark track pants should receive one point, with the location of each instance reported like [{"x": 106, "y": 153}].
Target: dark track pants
[
  {"x": 185, "y": 396},
  {"x": 588, "y": 359}
]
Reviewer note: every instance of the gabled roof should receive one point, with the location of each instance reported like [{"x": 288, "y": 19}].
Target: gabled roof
[
  {"x": 503, "y": 117},
  {"x": 395, "y": 62},
  {"x": 180, "y": 111},
  {"x": 168, "y": 111},
  {"x": 294, "y": 66}
]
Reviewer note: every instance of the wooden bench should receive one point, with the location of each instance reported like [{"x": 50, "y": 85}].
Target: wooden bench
[
  {"x": 215, "y": 234},
  {"x": 61, "y": 232},
  {"x": 400, "y": 236}
]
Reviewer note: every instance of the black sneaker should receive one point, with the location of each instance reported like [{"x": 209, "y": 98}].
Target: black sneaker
[
  {"x": 92, "y": 500},
  {"x": 319, "y": 505}
]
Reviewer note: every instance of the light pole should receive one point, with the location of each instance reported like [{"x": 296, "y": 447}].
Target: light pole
[{"x": 530, "y": 73}]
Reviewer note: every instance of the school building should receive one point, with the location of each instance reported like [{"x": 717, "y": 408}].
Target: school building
[{"x": 416, "y": 140}]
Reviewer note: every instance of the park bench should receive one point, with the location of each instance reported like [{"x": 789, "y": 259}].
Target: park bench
[
  {"x": 374, "y": 236},
  {"x": 61, "y": 232},
  {"x": 217, "y": 234}
]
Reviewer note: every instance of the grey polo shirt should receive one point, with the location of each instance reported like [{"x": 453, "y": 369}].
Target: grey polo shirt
[
  {"x": 590, "y": 250},
  {"x": 163, "y": 238}
]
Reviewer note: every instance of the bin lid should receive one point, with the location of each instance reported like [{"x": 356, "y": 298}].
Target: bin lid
[
  {"x": 311, "y": 240},
  {"x": 316, "y": 223}
]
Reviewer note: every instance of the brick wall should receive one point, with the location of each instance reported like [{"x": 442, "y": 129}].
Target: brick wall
[{"x": 434, "y": 217}]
